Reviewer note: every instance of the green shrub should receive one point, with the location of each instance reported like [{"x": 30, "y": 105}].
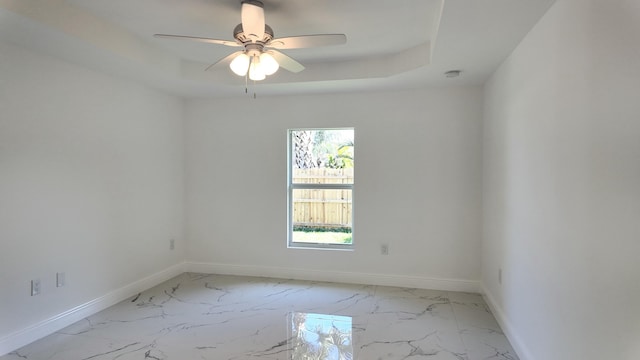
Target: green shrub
[{"x": 309, "y": 228}]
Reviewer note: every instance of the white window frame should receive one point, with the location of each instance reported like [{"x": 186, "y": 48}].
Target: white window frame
[{"x": 291, "y": 187}]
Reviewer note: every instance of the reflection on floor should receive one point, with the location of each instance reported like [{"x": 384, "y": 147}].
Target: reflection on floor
[
  {"x": 197, "y": 316},
  {"x": 321, "y": 336}
]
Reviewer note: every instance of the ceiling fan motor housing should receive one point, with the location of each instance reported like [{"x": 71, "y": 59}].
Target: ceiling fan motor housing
[
  {"x": 240, "y": 36},
  {"x": 253, "y": 2}
]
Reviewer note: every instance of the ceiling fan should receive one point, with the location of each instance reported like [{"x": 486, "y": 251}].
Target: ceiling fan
[{"x": 260, "y": 56}]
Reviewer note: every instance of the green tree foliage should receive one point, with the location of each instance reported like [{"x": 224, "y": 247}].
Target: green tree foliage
[{"x": 323, "y": 148}]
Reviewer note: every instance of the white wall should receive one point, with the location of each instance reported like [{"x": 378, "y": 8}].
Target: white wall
[
  {"x": 417, "y": 186},
  {"x": 562, "y": 185},
  {"x": 91, "y": 185}
]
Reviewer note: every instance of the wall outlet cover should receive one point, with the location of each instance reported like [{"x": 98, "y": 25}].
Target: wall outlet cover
[
  {"x": 60, "y": 279},
  {"x": 35, "y": 287}
]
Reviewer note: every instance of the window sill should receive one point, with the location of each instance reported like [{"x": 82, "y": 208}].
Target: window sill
[{"x": 320, "y": 247}]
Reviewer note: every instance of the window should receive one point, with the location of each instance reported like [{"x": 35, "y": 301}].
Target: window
[{"x": 320, "y": 176}]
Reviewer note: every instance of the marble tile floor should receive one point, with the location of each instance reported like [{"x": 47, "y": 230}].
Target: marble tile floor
[{"x": 215, "y": 317}]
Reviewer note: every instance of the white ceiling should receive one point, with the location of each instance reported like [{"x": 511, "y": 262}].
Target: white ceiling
[{"x": 390, "y": 44}]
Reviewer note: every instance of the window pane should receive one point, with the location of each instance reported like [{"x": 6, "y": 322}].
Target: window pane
[
  {"x": 322, "y": 216},
  {"x": 322, "y": 156}
]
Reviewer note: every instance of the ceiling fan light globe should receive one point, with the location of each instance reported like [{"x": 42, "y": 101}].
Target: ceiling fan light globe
[
  {"x": 268, "y": 64},
  {"x": 240, "y": 65},
  {"x": 256, "y": 72}
]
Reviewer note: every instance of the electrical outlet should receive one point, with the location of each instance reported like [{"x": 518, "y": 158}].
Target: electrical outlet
[
  {"x": 384, "y": 249},
  {"x": 60, "y": 279},
  {"x": 35, "y": 287},
  {"x": 500, "y": 276},
  {"x": 172, "y": 244}
]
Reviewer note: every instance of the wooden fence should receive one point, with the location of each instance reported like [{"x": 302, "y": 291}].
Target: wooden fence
[{"x": 321, "y": 207}]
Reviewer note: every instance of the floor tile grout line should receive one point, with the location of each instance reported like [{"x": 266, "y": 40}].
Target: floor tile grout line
[{"x": 455, "y": 317}]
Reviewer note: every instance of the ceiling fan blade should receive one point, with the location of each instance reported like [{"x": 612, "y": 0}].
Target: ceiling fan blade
[
  {"x": 199, "y": 39},
  {"x": 286, "y": 62},
  {"x": 307, "y": 41},
  {"x": 252, "y": 14},
  {"x": 226, "y": 59}
]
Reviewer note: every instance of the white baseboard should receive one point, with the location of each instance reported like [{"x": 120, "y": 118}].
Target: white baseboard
[
  {"x": 516, "y": 341},
  {"x": 37, "y": 331},
  {"x": 335, "y": 276}
]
